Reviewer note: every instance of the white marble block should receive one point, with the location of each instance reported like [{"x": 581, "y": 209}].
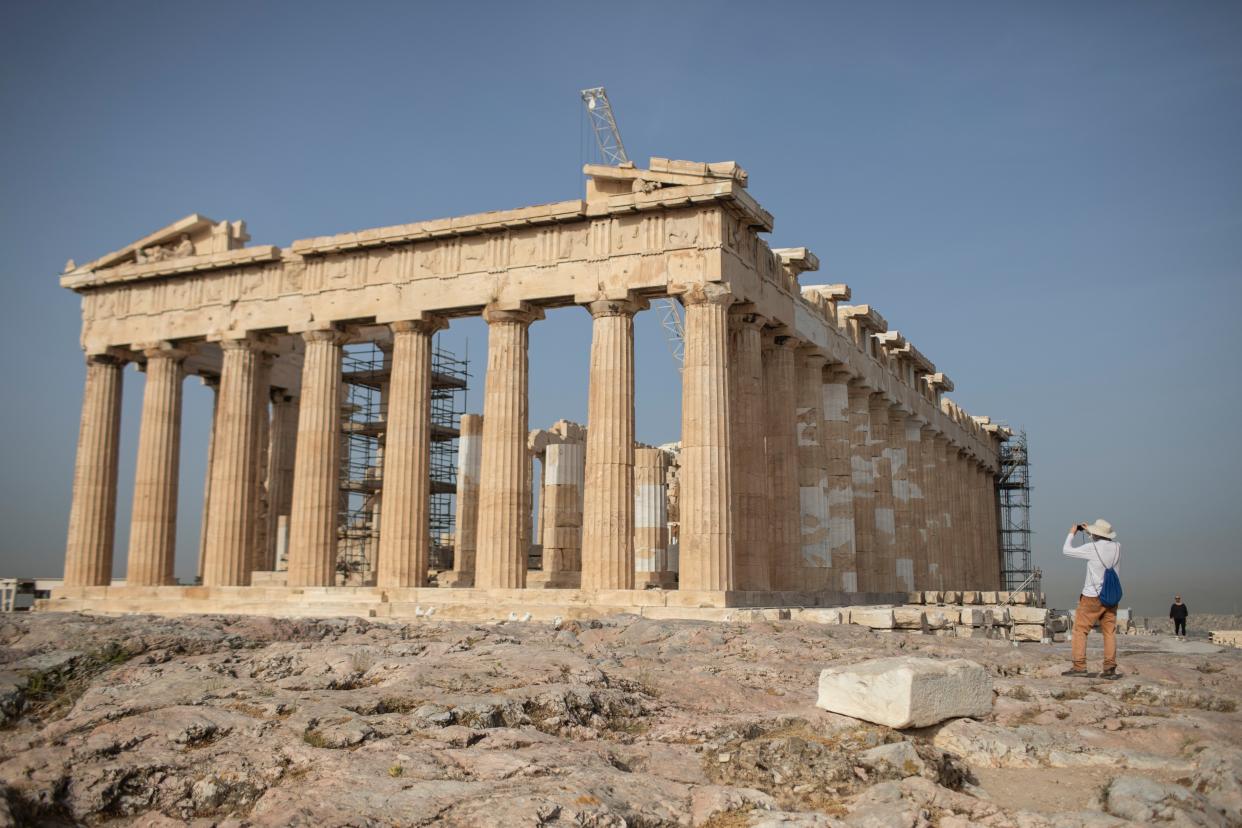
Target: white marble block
[{"x": 906, "y": 691}]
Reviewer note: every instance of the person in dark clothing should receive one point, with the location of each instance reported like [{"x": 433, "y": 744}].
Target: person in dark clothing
[{"x": 1179, "y": 613}]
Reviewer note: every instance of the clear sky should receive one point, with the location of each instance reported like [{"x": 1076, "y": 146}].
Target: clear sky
[{"x": 1046, "y": 198}]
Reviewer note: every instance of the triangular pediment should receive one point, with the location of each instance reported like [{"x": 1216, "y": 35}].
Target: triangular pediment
[{"x": 194, "y": 235}]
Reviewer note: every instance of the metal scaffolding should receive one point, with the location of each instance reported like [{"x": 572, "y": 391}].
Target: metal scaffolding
[
  {"x": 450, "y": 377},
  {"x": 365, "y": 372},
  {"x": 1013, "y": 490}
]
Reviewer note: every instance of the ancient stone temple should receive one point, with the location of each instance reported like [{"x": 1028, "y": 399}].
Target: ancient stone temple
[{"x": 819, "y": 462}]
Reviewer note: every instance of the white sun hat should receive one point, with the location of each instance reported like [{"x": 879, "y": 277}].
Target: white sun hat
[{"x": 1102, "y": 528}]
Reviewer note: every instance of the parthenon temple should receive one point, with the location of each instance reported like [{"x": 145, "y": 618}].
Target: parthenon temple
[{"x": 819, "y": 461}]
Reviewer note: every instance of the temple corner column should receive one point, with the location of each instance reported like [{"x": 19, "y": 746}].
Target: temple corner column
[
  {"x": 92, "y": 514},
  {"x": 706, "y": 531}
]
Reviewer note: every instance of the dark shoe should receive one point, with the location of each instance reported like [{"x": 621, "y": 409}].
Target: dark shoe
[
  {"x": 1076, "y": 673},
  {"x": 1111, "y": 674}
]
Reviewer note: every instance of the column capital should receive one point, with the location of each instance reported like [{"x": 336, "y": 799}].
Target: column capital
[
  {"x": 333, "y": 334},
  {"x": 744, "y": 315},
  {"x": 615, "y": 307},
  {"x": 511, "y": 313},
  {"x": 426, "y": 323},
  {"x": 163, "y": 350},
  {"x": 706, "y": 293},
  {"x": 109, "y": 358},
  {"x": 837, "y": 372},
  {"x": 780, "y": 339},
  {"x": 811, "y": 356}
]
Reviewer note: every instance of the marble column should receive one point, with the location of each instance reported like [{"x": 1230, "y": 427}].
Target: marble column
[
  {"x": 839, "y": 486},
  {"x": 946, "y": 568},
  {"x": 608, "y": 500},
  {"x": 706, "y": 472},
  {"x": 234, "y": 469},
  {"x": 931, "y": 507},
  {"x": 262, "y": 439},
  {"x": 863, "y": 477},
  {"x": 466, "y": 520},
  {"x": 963, "y": 565},
  {"x": 901, "y": 463},
  {"x": 752, "y": 568},
  {"x": 781, "y": 413},
  {"x": 504, "y": 519},
  {"x": 317, "y": 463},
  {"x": 212, "y": 382},
  {"x": 651, "y": 519},
  {"x": 282, "y": 445},
  {"x": 405, "y": 541},
  {"x": 915, "y": 456},
  {"x": 881, "y": 576},
  {"x": 153, "y": 523},
  {"x": 815, "y": 555},
  {"x": 92, "y": 516},
  {"x": 563, "y": 480}
]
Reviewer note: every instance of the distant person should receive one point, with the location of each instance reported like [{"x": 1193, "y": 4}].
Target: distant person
[
  {"x": 1179, "y": 613},
  {"x": 1099, "y": 548}
]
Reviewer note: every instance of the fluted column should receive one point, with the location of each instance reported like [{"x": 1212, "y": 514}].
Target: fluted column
[
  {"x": 919, "y": 536},
  {"x": 234, "y": 469},
  {"x": 212, "y": 382},
  {"x": 92, "y": 517},
  {"x": 946, "y": 572},
  {"x": 964, "y": 565},
  {"x": 839, "y": 488},
  {"x": 900, "y": 463},
  {"x": 503, "y": 518},
  {"x": 317, "y": 464},
  {"x": 993, "y": 536},
  {"x": 651, "y": 518},
  {"x": 931, "y": 507},
  {"x": 881, "y": 576},
  {"x": 262, "y": 438},
  {"x": 282, "y": 445},
  {"x": 863, "y": 478},
  {"x": 815, "y": 556},
  {"x": 608, "y": 501},
  {"x": 466, "y": 521},
  {"x": 779, "y": 377},
  {"x": 405, "y": 541},
  {"x": 706, "y": 475},
  {"x": 752, "y": 568},
  {"x": 563, "y": 479},
  {"x": 153, "y": 523}
]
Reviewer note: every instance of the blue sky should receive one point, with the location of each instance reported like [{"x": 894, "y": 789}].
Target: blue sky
[{"x": 1045, "y": 198}]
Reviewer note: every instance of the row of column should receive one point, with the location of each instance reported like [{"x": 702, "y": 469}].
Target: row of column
[
  {"x": 793, "y": 476},
  {"x": 837, "y": 488},
  {"x": 250, "y": 485}
]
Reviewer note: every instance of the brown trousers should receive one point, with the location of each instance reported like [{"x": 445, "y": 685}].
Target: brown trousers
[{"x": 1089, "y": 612}]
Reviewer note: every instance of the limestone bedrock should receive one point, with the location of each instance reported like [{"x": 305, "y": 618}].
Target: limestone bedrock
[{"x": 907, "y": 691}]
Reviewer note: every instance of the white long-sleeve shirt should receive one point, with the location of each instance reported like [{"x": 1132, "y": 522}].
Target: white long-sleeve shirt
[{"x": 1098, "y": 554}]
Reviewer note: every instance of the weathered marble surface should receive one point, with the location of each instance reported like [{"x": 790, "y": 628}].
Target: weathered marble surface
[{"x": 234, "y": 721}]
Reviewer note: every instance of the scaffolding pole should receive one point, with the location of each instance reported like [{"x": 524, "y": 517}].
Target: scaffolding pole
[
  {"x": 365, "y": 372},
  {"x": 1013, "y": 489}
]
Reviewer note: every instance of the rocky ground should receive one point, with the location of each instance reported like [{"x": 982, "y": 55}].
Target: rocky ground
[{"x": 623, "y": 722}]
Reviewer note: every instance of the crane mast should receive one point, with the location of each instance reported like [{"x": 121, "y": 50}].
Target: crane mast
[{"x": 612, "y": 150}]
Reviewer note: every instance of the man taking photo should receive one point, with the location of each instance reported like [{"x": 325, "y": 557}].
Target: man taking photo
[{"x": 1096, "y": 543}]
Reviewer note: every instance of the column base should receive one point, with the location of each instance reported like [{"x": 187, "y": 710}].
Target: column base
[
  {"x": 541, "y": 579},
  {"x": 455, "y": 580},
  {"x": 655, "y": 580}
]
